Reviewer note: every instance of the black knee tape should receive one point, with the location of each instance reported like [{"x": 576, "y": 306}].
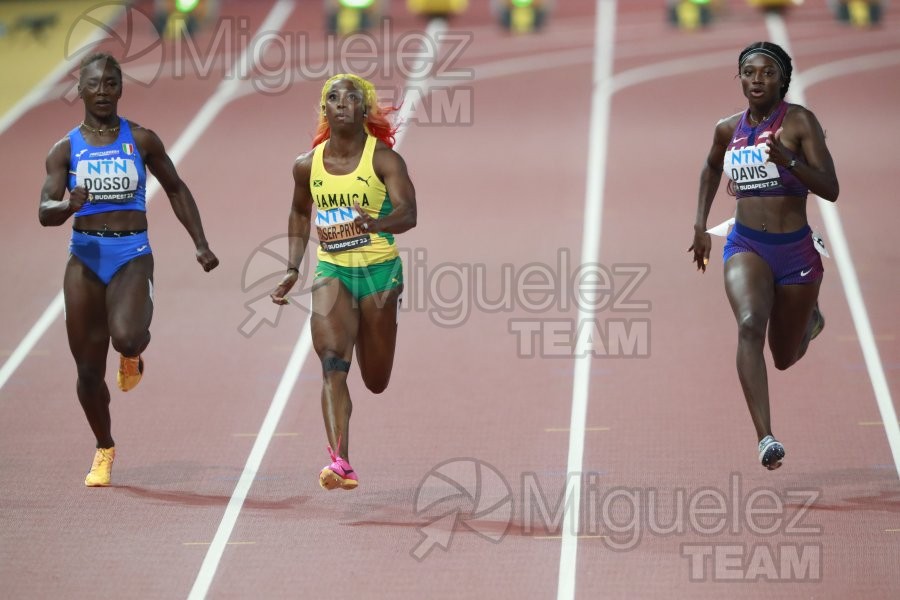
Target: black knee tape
[{"x": 333, "y": 363}]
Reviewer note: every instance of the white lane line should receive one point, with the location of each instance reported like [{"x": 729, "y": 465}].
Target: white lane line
[
  {"x": 31, "y": 338},
  {"x": 236, "y": 502},
  {"x": 225, "y": 93},
  {"x": 40, "y": 92},
  {"x": 856, "y": 64},
  {"x": 590, "y": 254},
  {"x": 841, "y": 252},
  {"x": 35, "y": 96},
  {"x": 282, "y": 394}
]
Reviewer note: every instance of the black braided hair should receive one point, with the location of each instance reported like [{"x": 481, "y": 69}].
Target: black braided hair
[{"x": 777, "y": 54}]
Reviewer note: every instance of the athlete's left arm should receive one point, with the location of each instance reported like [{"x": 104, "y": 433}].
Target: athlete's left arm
[
  {"x": 391, "y": 169},
  {"x": 159, "y": 163},
  {"x": 813, "y": 164}
]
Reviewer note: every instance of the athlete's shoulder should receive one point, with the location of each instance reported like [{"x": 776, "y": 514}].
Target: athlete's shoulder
[
  {"x": 798, "y": 111},
  {"x": 305, "y": 159},
  {"x": 726, "y": 127},
  {"x": 800, "y": 119},
  {"x": 61, "y": 150},
  {"x": 302, "y": 167},
  {"x": 384, "y": 152},
  {"x": 146, "y": 139},
  {"x": 139, "y": 132},
  {"x": 730, "y": 121}
]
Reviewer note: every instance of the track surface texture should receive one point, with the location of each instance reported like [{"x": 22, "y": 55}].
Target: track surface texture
[{"x": 556, "y": 176}]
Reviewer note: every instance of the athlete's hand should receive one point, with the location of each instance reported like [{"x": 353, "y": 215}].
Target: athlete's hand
[
  {"x": 364, "y": 220},
  {"x": 701, "y": 248},
  {"x": 77, "y": 197},
  {"x": 207, "y": 259},
  {"x": 778, "y": 152},
  {"x": 287, "y": 282}
]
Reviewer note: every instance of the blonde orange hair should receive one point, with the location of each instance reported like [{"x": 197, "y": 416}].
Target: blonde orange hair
[{"x": 377, "y": 121}]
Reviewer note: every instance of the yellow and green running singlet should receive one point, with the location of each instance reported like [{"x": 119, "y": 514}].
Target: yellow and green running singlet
[{"x": 341, "y": 241}]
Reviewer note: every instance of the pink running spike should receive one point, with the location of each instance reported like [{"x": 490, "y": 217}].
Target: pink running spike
[{"x": 339, "y": 474}]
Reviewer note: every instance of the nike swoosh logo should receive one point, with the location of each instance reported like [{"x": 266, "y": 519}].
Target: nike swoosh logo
[
  {"x": 806, "y": 272},
  {"x": 736, "y": 140},
  {"x": 141, "y": 249}
]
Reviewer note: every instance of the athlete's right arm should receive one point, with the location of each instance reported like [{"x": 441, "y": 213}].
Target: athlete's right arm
[
  {"x": 710, "y": 177},
  {"x": 54, "y": 209},
  {"x": 298, "y": 226}
]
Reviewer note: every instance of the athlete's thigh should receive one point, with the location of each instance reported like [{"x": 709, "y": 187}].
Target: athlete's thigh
[
  {"x": 85, "y": 314},
  {"x": 334, "y": 321},
  {"x": 377, "y": 336},
  {"x": 791, "y": 315},
  {"x": 750, "y": 286},
  {"x": 129, "y": 296}
]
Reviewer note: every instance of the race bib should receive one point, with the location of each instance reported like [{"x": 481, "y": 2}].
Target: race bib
[
  {"x": 337, "y": 231},
  {"x": 107, "y": 179},
  {"x": 749, "y": 168},
  {"x": 819, "y": 244}
]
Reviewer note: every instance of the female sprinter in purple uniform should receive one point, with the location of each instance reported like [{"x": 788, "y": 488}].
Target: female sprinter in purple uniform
[{"x": 774, "y": 154}]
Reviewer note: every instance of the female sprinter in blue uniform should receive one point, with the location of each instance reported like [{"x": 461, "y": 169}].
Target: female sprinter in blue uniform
[
  {"x": 363, "y": 197},
  {"x": 774, "y": 153},
  {"x": 108, "y": 283}
]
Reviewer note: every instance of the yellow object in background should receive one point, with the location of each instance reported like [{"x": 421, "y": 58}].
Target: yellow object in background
[
  {"x": 858, "y": 11},
  {"x": 774, "y": 3},
  {"x": 349, "y": 20},
  {"x": 521, "y": 19},
  {"x": 40, "y": 36},
  {"x": 688, "y": 15},
  {"x": 437, "y": 7}
]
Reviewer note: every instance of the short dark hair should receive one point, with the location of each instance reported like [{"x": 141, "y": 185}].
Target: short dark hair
[
  {"x": 108, "y": 61},
  {"x": 776, "y": 53}
]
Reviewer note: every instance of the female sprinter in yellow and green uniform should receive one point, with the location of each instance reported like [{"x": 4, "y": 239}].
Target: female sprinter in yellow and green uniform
[{"x": 363, "y": 197}]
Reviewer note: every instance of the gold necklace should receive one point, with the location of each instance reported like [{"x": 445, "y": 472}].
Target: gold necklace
[
  {"x": 101, "y": 131},
  {"x": 759, "y": 122}
]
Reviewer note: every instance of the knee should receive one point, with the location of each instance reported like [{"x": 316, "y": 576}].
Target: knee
[
  {"x": 782, "y": 363},
  {"x": 376, "y": 386},
  {"x": 752, "y": 328},
  {"x": 90, "y": 376},
  {"x": 333, "y": 365},
  {"x": 128, "y": 343}
]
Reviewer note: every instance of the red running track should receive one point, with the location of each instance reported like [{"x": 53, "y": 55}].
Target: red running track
[{"x": 501, "y": 200}]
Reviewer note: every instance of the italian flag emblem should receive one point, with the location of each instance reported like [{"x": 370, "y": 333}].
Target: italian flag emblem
[{"x": 128, "y": 148}]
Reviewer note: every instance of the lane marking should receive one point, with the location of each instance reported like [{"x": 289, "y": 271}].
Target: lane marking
[
  {"x": 256, "y": 434},
  {"x": 856, "y": 64},
  {"x": 841, "y": 252},
  {"x": 286, "y": 385},
  {"x": 213, "y": 106},
  {"x": 41, "y": 92},
  {"x": 208, "y": 543},
  {"x": 563, "y": 429},
  {"x": 49, "y": 316},
  {"x": 601, "y": 98},
  {"x": 580, "y": 537},
  {"x": 273, "y": 22}
]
